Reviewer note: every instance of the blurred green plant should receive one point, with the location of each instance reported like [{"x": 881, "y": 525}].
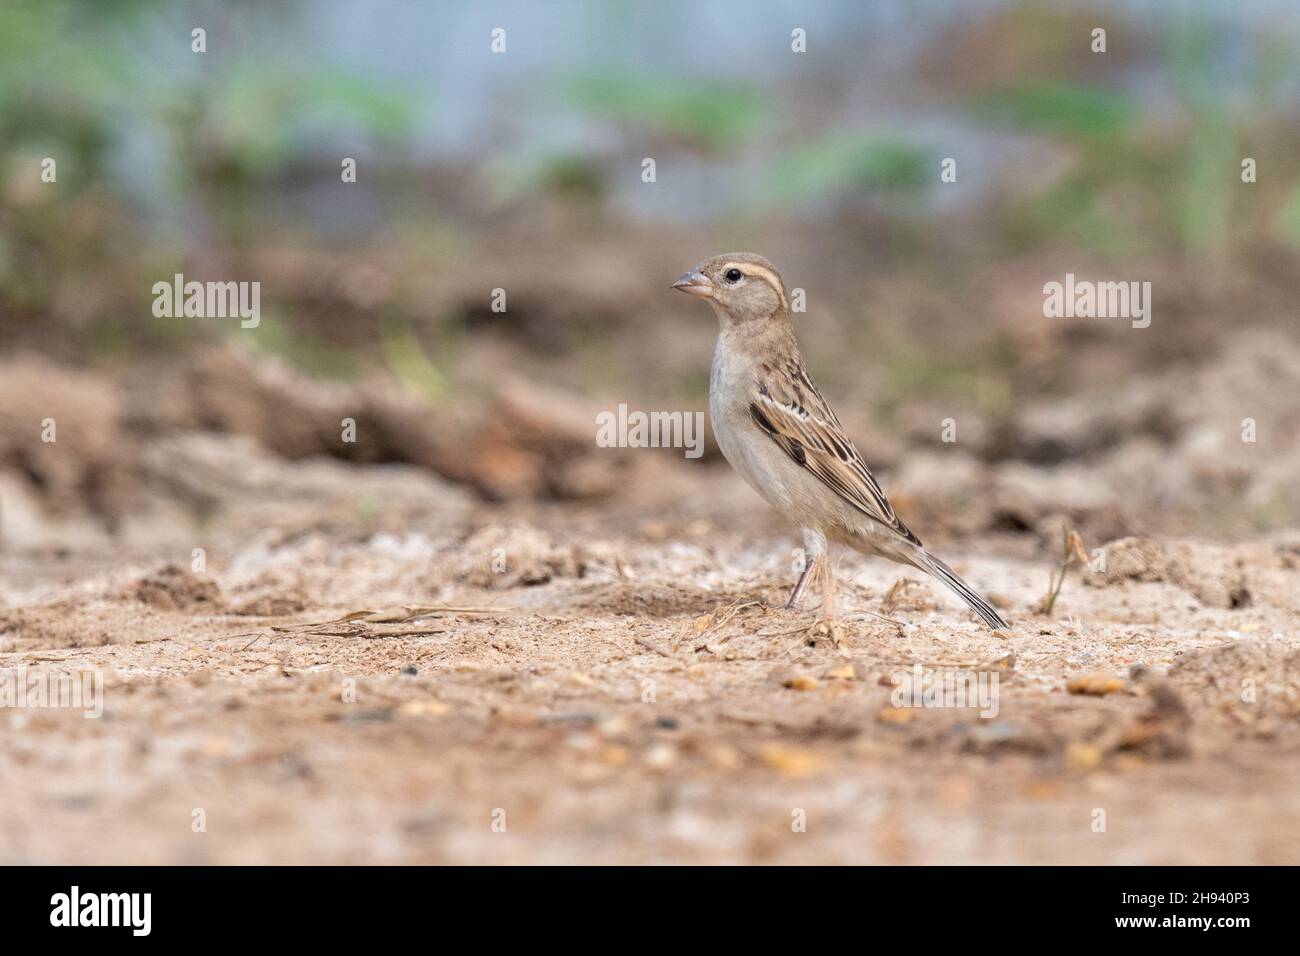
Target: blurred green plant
[
  {"x": 1072, "y": 551},
  {"x": 259, "y": 119},
  {"x": 709, "y": 116},
  {"x": 1073, "y": 111},
  {"x": 982, "y": 378},
  {"x": 57, "y": 85},
  {"x": 1097, "y": 126},
  {"x": 836, "y": 164},
  {"x": 1207, "y": 180},
  {"x": 1134, "y": 187},
  {"x": 1290, "y": 219},
  {"x": 150, "y": 170},
  {"x": 297, "y": 347},
  {"x": 565, "y": 175},
  {"x": 408, "y": 361},
  {"x": 369, "y": 507},
  {"x": 239, "y": 131}
]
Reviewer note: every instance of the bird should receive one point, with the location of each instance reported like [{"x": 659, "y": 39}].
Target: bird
[{"x": 775, "y": 428}]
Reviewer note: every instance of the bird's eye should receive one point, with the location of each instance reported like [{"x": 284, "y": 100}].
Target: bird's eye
[{"x": 734, "y": 275}]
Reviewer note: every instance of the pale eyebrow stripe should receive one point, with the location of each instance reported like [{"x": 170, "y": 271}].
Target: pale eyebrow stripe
[{"x": 767, "y": 275}]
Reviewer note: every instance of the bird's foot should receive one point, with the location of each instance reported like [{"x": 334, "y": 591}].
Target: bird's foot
[{"x": 828, "y": 629}]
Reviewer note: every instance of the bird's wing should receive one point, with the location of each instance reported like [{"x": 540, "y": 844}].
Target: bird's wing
[{"x": 788, "y": 407}]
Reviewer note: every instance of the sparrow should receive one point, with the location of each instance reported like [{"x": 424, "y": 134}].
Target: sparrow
[{"x": 775, "y": 428}]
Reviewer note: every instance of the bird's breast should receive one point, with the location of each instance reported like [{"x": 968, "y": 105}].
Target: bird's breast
[{"x": 754, "y": 455}]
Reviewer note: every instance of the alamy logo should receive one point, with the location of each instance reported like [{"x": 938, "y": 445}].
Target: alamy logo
[
  {"x": 651, "y": 430},
  {"x": 946, "y": 687},
  {"x": 1084, "y": 299},
  {"x": 80, "y": 690},
  {"x": 103, "y": 909},
  {"x": 208, "y": 300}
]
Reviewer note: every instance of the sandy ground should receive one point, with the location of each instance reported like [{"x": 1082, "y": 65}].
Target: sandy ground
[{"x": 620, "y": 685}]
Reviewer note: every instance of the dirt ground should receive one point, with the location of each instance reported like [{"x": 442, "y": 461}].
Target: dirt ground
[{"x": 618, "y": 684}]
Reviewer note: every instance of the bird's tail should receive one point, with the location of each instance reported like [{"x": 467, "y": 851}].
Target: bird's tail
[{"x": 929, "y": 563}]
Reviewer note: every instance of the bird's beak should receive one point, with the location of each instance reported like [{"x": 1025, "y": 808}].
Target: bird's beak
[{"x": 695, "y": 283}]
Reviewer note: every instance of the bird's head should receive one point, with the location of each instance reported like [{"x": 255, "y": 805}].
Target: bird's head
[{"x": 741, "y": 287}]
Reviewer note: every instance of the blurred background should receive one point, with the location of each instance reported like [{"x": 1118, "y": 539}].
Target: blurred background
[{"x": 522, "y": 171}]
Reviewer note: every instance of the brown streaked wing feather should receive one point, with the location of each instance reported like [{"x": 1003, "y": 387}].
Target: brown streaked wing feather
[{"x": 789, "y": 408}]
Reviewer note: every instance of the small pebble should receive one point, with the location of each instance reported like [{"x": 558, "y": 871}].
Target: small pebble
[
  {"x": 375, "y": 714},
  {"x": 660, "y": 757},
  {"x": 1096, "y": 685}
]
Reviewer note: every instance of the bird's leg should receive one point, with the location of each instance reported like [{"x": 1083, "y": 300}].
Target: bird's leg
[
  {"x": 801, "y": 586},
  {"x": 825, "y": 625},
  {"x": 814, "y": 553},
  {"x": 828, "y": 592}
]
